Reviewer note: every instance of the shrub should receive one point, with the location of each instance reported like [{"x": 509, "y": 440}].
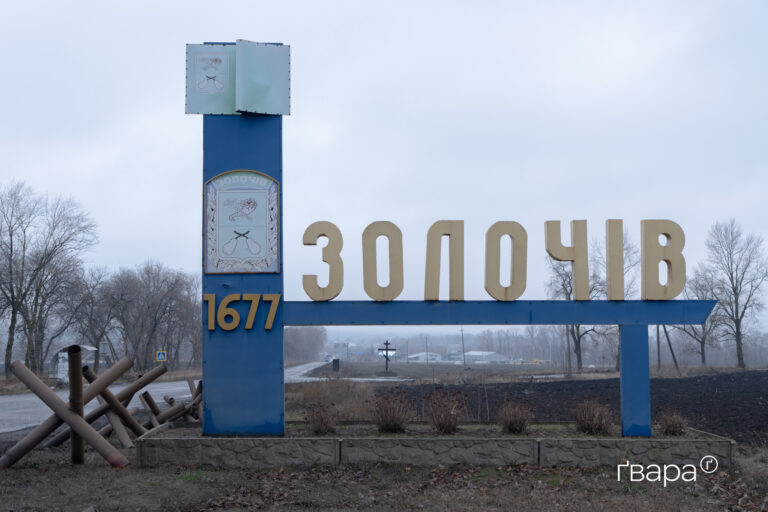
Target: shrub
[
  {"x": 443, "y": 411},
  {"x": 592, "y": 417},
  {"x": 672, "y": 423},
  {"x": 321, "y": 419},
  {"x": 391, "y": 411},
  {"x": 514, "y": 417}
]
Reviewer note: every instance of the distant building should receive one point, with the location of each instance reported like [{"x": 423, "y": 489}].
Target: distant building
[
  {"x": 479, "y": 356},
  {"x": 453, "y": 352},
  {"x": 424, "y": 357}
]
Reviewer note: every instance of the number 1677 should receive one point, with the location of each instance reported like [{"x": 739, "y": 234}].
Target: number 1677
[{"x": 227, "y": 318}]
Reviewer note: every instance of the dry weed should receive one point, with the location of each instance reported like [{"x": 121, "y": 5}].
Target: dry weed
[
  {"x": 444, "y": 409},
  {"x": 672, "y": 423},
  {"x": 514, "y": 417},
  {"x": 321, "y": 418},
  {"x": 392, "y": 411},
  {"x": 592, "y": 417}
]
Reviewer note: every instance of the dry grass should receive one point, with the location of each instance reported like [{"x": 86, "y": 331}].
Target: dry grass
[
  {"x": 11, "y": 386},
  {"x": 752, "y": 469},
  {"x": 349, "y": 398},
  {"x": 514, "y": 417},
  {"x": 668, "y": 371},
  {"x": 46, "y": 481},
  {"x": 592, "y": 417},
  {"x": 436, "y": 373}
]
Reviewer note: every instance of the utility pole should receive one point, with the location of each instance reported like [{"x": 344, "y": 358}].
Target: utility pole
[
  {"x": 658, "y": 349},
  {"x": 407, "y": 351},
  {"x": 463, "y": 352},
  {"x": 426, "y": 346}
]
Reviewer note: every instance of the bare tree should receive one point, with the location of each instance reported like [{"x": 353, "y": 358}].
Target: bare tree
[
  {"x": 739, "y": 269},
  {"x": 94, "y": 311},
  {"x": 182, "y": 327},
  {"x": 304, "y": 343},
  {"x": 149, "y": 300},
  {"x": 701, "y": 287},
  {"x": 560, "y": 286},
  {"x": 34, "y": 234},
  {"x": 50, "y": 308}
]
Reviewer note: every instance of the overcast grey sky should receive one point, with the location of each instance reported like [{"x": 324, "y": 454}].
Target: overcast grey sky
[{"x": 410, "y": 112}]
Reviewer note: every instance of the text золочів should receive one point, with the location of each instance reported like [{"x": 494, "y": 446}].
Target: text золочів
[{"x": 652, "y": 253}]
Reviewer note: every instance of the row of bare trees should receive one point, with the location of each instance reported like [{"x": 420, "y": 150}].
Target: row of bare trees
[
  {"x": 734, "y": 274},
  {"x": 136, "y": 312},
  {"x": 48, "y": 298}
]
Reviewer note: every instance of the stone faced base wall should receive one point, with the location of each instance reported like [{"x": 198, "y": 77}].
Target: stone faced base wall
[
  {"x": 248, "y": 452},
  {"x": 262, "y": 453},
  {"x": 611, "y": 452},
  {"x": 426, "y": 451}
]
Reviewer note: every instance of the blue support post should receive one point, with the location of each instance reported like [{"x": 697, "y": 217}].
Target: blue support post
[
  {"x": 243, "y": 368},
  {"x": 635, "y": 381}
]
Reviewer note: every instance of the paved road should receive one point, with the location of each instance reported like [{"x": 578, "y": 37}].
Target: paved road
[{"x": 295, "y": 374}]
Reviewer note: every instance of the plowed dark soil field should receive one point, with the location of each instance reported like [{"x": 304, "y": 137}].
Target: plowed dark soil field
[{"x": 729, "y": 404}]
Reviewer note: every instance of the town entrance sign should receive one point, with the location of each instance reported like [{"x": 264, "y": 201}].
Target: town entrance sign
[{"x": 243, "y": 90}]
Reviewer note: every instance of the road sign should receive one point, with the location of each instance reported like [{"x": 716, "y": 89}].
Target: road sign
[{"x": 161, "y": 356}]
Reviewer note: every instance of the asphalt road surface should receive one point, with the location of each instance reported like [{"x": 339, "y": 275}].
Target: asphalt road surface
[{"x": 296, "y": 373}]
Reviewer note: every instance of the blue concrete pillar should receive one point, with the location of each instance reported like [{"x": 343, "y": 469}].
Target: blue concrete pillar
[
  {"x": 635, "y": 381},
  {"x": 242, "y": 260}
]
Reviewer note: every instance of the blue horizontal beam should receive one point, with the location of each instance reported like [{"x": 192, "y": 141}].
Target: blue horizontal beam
[{"x": 520, "y": 312}]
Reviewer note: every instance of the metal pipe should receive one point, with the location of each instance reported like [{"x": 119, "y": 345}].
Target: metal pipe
[
  {"x": 191, "y": 384},
  {"x": 116, "y": 406},
  {"x": 74, "y": 358},
  {"x": 172, "y": 401},
  {"x": 122, "y": 395},
  {"x": 199, "y": 392},
  {"x": 39, "y": 433},
  {"x": 151, "y": 410},
  {"x": 194, "y": 404},
  {"x": 154, "y": 409},
  {"x": 108, "y": 429},
  {"x": 172, "y": 413},
  {"x": 113, "y": 420},
  {"x": 76, "y": 423}
]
